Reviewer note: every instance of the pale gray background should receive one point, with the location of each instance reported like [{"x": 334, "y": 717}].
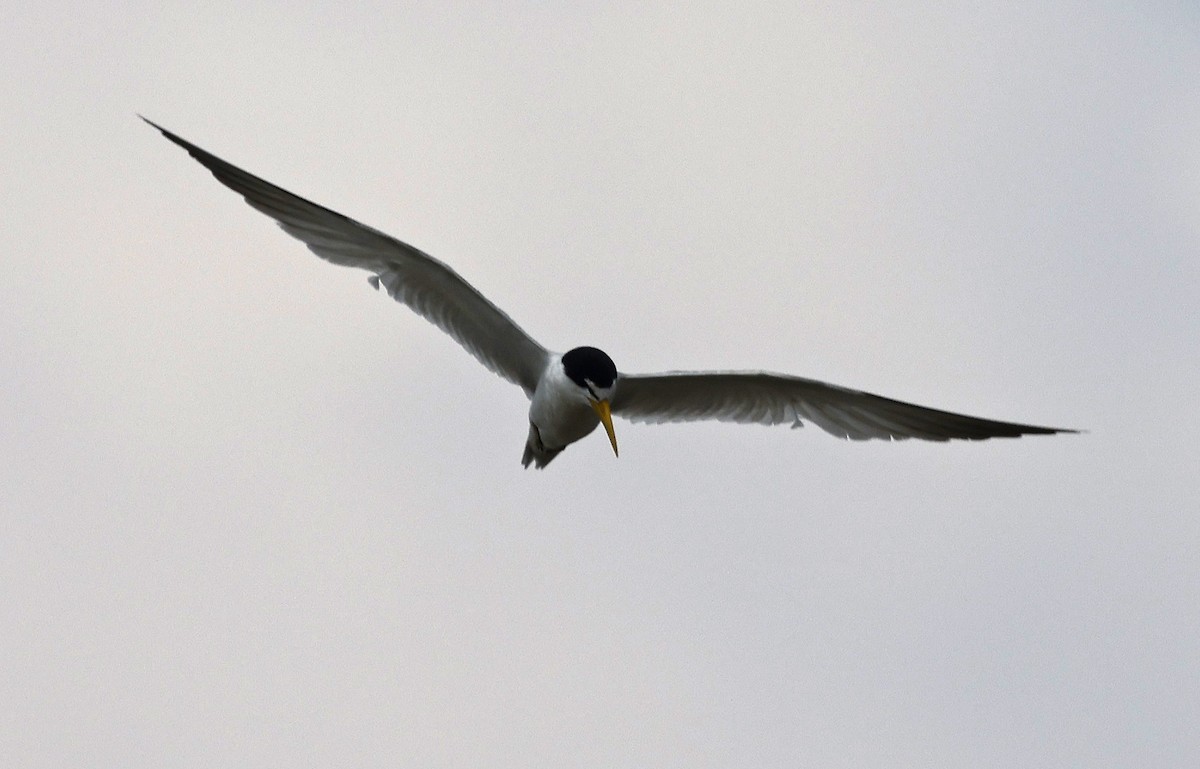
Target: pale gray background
[{"x": 255, "y": 514}]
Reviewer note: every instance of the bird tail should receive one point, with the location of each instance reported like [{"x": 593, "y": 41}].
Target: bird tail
[{"x": 536, "y": 452}]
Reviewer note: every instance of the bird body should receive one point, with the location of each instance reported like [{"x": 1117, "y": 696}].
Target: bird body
[
  {"x": 566, "y": 406},
  {"x": 574, "y": 392}
]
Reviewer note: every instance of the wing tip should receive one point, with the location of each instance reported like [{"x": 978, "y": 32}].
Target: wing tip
[
  {"x": 157, "y": 127},
  {"x": 1035, "y": 430}
]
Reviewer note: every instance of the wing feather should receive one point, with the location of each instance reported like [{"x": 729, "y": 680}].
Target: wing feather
[
  {"x": 770, "y": 399},
  {"x": 412, "y": 277}
]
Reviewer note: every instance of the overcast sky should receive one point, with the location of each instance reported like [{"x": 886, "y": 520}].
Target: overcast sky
[{"x": 256, "y": 514}]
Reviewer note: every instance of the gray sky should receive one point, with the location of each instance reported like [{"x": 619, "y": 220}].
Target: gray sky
[{"x": 256, "y": 514}]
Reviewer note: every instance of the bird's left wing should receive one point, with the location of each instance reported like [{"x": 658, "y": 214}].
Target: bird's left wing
[
  {"x": 412, "y": 277},
  {"x": 771, "y": 399}
]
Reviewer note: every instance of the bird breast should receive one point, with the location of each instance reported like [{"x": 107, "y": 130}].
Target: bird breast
[{"x": 559, "y": 409}]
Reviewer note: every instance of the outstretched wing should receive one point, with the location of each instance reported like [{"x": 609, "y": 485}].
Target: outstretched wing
[
  {"x": 412, "y": 277},
  {"x": 771, "y": 399}
]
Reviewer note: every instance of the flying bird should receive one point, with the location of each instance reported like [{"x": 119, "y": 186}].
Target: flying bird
[{"x": 572, "y": 393}]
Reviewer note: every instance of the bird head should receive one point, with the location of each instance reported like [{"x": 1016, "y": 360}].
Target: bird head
[{"x": 594, "y": 373}]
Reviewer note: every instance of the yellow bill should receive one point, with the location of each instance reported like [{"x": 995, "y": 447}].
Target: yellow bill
[{"x": 604, "y": 411}]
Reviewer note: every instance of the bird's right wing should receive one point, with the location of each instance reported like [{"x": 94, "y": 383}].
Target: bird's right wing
[
  {"x": 771, "y": 399},
  {"x": 410, "y": 276}
]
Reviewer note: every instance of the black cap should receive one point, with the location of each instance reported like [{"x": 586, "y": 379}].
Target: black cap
[{"x": 587, "y": 364}]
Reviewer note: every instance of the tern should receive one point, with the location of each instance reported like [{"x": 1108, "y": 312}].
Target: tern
[{"x": 572, "y": 393}]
